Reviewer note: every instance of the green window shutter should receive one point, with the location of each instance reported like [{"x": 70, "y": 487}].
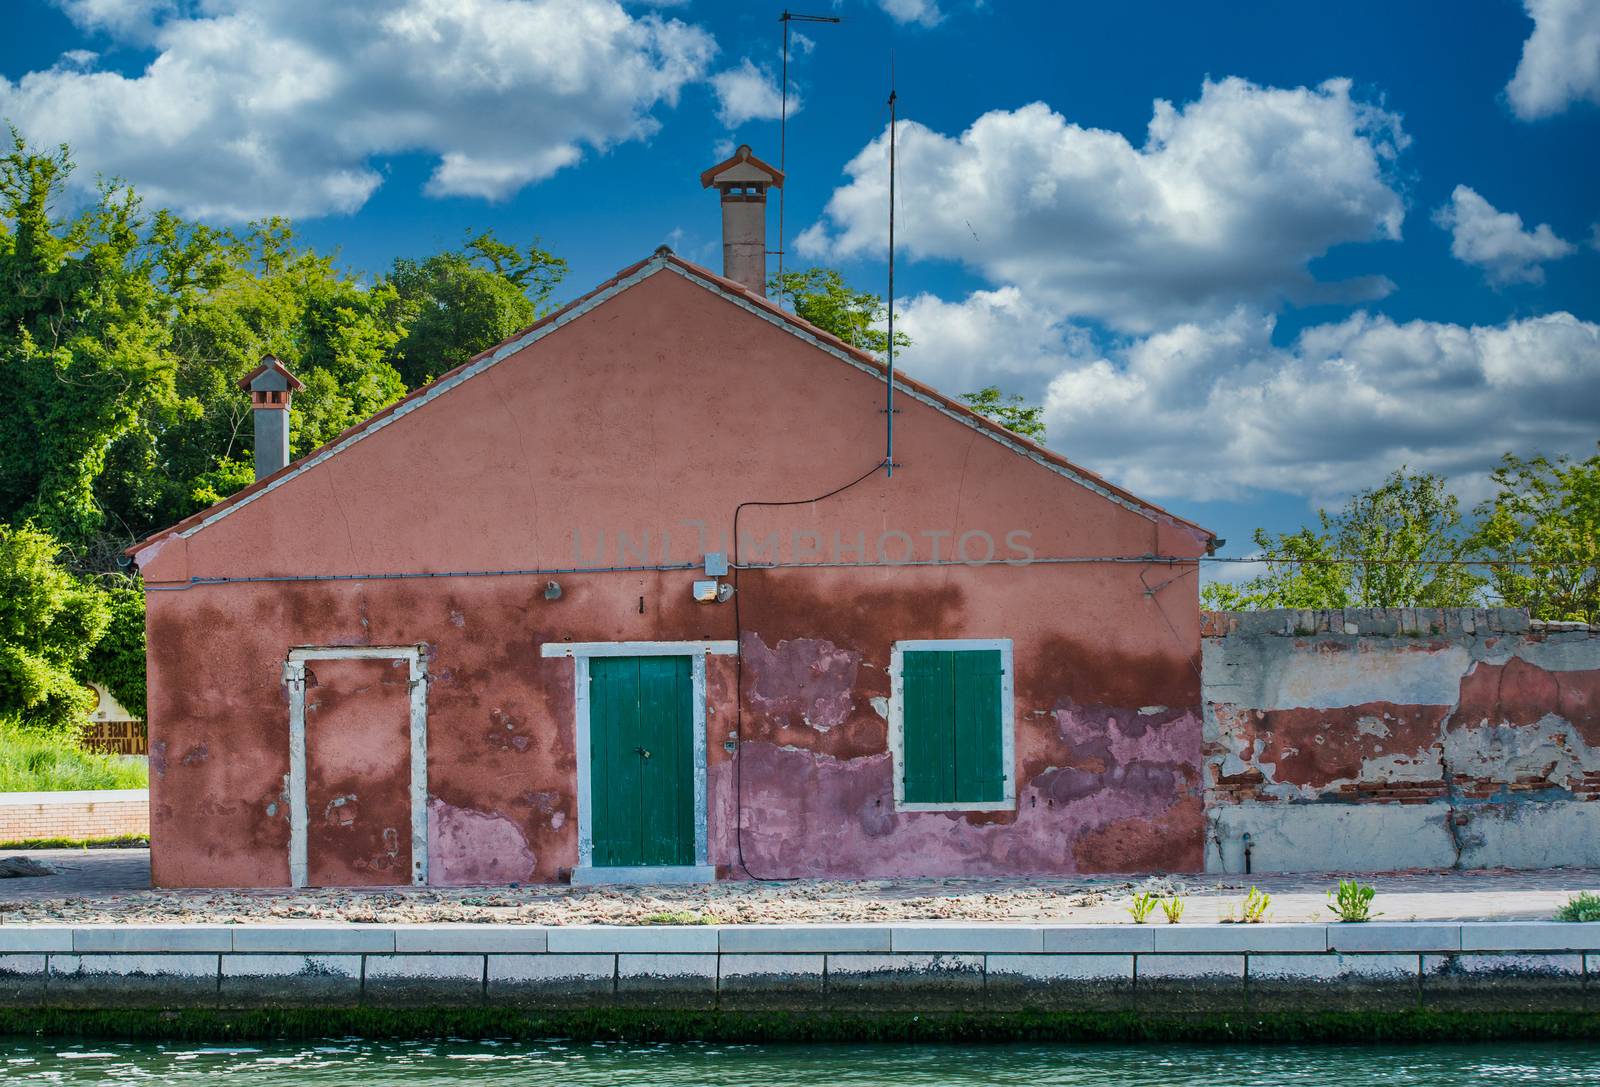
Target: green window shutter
[
  {"x": 979, "y": 768},
  {"x": 929, "y": 727},
  {"x": 952, "y": 727}
]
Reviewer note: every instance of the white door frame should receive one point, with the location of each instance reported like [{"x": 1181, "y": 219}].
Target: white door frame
[
  {"x": 581, "y": 652},
  {"x": 294, "y": 676}
]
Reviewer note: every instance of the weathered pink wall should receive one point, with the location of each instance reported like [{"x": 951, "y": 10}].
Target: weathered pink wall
[
  {"x": 1380, "y": 739},
  {"x": 666, "y": 405}
]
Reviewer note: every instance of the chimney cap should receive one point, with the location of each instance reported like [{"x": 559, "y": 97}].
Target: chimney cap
[
  {"x": 742, "y": 168},
  {"x": 271, "y": 376}
]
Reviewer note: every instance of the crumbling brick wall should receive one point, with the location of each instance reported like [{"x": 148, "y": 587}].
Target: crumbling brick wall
[{"x": 1373, "y": 739}]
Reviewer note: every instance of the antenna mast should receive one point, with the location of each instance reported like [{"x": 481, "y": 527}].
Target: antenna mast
[
  {"x": 888, "y": 454},
  {"x": 783, "y": 123}
]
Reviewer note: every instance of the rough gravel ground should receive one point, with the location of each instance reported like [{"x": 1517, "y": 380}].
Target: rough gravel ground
[{"x": 100, "y": 889}]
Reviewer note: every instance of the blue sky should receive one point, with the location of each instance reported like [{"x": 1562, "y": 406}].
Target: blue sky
[{"x": 1355, "y": 236}]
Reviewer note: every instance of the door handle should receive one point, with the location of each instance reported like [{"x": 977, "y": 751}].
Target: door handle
[{"x": 642, "y": 753}]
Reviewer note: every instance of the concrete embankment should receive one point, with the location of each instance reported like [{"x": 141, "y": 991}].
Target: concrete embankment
[{"x": 1498, "y": 967}]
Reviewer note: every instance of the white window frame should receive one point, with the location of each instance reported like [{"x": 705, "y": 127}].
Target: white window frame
[
  {"x": 897, "y": 721},
  {"x": 581, "y": 653},
  {"x": 294, "y": 677}
]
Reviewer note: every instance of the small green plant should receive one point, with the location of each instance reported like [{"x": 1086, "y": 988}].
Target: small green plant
[
  {"x": 1253, "y": 909},
  {"x": 1583, "y": 906},
  {"x": 1352, "y": 901},
  {"x": 1173, "y": 908},
  {"x": 1144, "y": 903},
  {"x": 681, "y": 917}
]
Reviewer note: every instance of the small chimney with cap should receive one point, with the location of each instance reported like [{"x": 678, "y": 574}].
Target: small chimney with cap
[
  {"x": 743, "y": 181},
  {"x": 271, "y": 385}
]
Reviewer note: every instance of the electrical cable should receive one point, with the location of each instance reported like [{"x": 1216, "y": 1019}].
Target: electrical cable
[{"x": 738, "y": 670}]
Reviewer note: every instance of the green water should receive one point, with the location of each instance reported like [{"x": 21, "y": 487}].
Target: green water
[{"x": 605, "y": 1065}]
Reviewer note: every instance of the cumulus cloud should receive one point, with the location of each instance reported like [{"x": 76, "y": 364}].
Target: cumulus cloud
[
  {"x": 255, "y": 107},
  {"x": 749, "y": 93},
  {"x": 131, "y": 20},
  {"x": 1495, "y": 240},
  {"x": 1215, "y": 411},
  {"x": 1560, "y": 60},
  {"x": 1227, "y": 201},
  {"x": 924, "y": 12},
  {"x": 997, "y": 337}
]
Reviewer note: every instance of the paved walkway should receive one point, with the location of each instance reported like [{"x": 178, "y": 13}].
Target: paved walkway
[{"x": 111, "y": 885}]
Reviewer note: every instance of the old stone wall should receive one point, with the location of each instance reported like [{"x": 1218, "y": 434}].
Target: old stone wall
[{"x": 1376, "y": 739}]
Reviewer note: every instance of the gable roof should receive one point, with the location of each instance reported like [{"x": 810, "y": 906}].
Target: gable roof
[
  {"x": 665, "y": 261},
  {"x": 276, "y": 373}
]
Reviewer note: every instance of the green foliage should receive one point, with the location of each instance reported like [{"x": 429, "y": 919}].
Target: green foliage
[
  {"x": 82, "y": 345},
  {"x": 821, "y": 296},
  {"x": 49, "y": 622},
  {"x": 1391, "y": 546},
  {"x": 681, "y": 917},
  {"x": 120, "y": 841},
  {"x": 32, "y": 761},
  {"x": 1583, "y": 906},
  {"x": 1253, "y": 910},
  {"x": 118, "y": 658},
  {"x": 1173, "y": 908},
  {"x": 1143, "y": 904},
  {"x": 1542, "y": 529},
  {"x": 1012, "y": 412},
  {"x": 1352, "y": 901},
  {"x": 458, "y": 303}
]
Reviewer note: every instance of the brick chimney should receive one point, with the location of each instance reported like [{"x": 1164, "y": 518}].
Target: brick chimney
[
  {"x": 743, "y": 181},
  {"x": 271, "y": 385}
]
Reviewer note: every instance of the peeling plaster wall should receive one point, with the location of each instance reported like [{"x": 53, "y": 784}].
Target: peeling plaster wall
[{"x": 1371, "y": 739}]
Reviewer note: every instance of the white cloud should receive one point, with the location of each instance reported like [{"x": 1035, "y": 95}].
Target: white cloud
[
  {"x": 1228, "y": 200},
  {"x": 1560, "y": 60},
  {"x": 749, "y": 93},
  {"x": 1594, "y": 237},
  {"x": 924, "y": 12},
  {"x": 990, "y": 338},
  {"x": 1214, "y": 410},
  {"x": 130, "y": 20},
  {"x": 254, "y": 107},
  {"x": 1495, "y": 241}
]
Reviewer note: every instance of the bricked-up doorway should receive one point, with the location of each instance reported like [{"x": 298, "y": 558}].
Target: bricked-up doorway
[{"x": 358, "y": 777}]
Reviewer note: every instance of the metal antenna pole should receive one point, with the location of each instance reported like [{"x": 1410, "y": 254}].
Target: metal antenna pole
[
  {"x": 888, "y": 458},
  {"x": 783, "y": 125}
]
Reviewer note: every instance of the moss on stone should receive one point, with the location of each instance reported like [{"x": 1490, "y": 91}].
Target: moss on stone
[{"x": 648, "y": 1025}]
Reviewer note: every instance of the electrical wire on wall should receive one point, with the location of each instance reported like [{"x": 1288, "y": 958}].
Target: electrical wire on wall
[{"x": 738, "y": 666}]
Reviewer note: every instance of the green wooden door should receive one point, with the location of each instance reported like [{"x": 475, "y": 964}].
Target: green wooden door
[{"x": 641, "y": 761}]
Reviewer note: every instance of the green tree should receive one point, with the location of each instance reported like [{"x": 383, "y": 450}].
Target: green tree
[
  {"x": 49, "y": 623},
  {"x": 118, "y": 657},
  {"x": 82, "y": 346},
  {"x": 821, "y": 296},
  {"x": 230, "y": 300},
  {"x": 1542, "y": 533},
  {"x": 1012, "y": 412},
  {"x": 457, "y": 303},
  {"x": 1396, "y": 545}
]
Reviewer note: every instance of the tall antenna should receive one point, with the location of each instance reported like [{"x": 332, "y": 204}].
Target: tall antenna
[
  {"x": 888, "y": 436},
  {"x": 783, "y": 123}
]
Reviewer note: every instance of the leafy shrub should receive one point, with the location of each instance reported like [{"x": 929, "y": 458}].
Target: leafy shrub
[
  {"x": 1144, "y": 903},
  {"x": 1582, "y": 906},
  {"x": 1352, "y": 901}
]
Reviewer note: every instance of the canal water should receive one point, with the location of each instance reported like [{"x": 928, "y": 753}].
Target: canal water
[{"x": 359, "y": 1063}]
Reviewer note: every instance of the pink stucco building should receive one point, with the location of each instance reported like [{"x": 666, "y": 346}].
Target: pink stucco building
[{"x": 576, "y": 609}]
